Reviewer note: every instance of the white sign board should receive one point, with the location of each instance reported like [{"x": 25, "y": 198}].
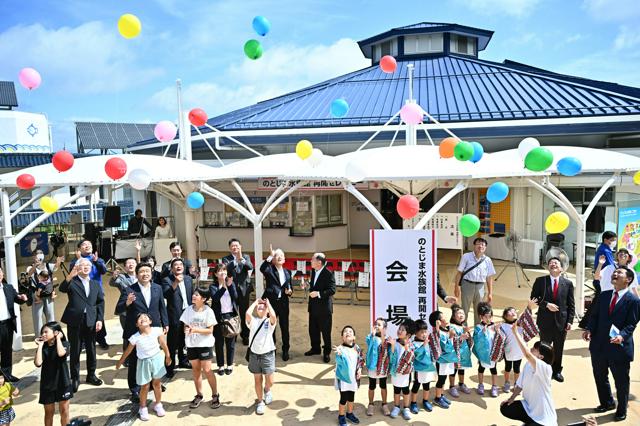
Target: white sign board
[
  {"x": 23, "y": 132},
  {"x": 446, "y": 226},
  {"x": 403, "y": 275},
  {"x": 269, "y": 184}
]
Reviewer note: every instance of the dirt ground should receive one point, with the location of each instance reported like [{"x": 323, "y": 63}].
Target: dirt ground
[{"x": 303, "y": 392}]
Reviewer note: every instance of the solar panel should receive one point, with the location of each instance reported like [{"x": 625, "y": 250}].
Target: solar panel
[
  {"x": 8, "y": 94},
  {"x": 96, "y": 135}
]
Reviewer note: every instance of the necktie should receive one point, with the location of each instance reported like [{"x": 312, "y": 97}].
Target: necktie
[
  {"x": 555, "y": 289},
  {"x": 613, "y": 302}
]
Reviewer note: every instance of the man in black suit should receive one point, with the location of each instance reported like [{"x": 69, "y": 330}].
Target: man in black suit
[
  {"x": 240, "y": 268},
  {"x": 141, "y": 297},
  {"x": 177, "y": 289},
  {"x": 278, "y": 289},
  {"x": 610, "y": 333},
  {"x": 84, "y": 316},
  {"x": 554, "y": 295},
  {"x": 322, "y": 287},
  {"x": 8, "y": 325},
  {"x": 176, "y": 253}
]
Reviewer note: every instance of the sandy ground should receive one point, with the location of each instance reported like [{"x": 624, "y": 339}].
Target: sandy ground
[{"x": 304, "y": 393}]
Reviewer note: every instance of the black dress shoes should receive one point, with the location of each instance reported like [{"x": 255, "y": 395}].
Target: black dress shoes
[
  {"x": 620, "y": 417},
  {"x": 185, "y": 364},
  {"x": 311, "y": 352},
  {"x": 285, "y": 355},
  {"x": 245, "y": 341},
  {"x": 135, "y": 396},
  {"x": 76, "y": 384},
  {"x": 558, "y": 377},
  {"x": 326, "y": 358},
  {"x": 93, "y": 380},
  {"x": 604, "y": 408}
]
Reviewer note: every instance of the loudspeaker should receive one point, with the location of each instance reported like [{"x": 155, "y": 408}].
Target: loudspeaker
[
  {"x": 105, "y": 248},
  {"x": 111, "y": 216},
  {"x": 91, "y": 234}
]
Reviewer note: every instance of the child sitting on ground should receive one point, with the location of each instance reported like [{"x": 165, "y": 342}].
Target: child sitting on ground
[
  {"x": 378, "y": 356},
  {"x": 348, "y": 370}
]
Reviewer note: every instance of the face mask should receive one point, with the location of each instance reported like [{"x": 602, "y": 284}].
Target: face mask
[{"x": 40, "y": 257}]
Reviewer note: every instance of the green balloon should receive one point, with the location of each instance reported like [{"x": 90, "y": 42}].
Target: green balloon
[
  {"x": 463, "y": 151},
  {"x": 637, "y": 267},
  {"x": 253, "y": 49},
  {"x": 469, "y": 225},
  {"x": 538, "y": 159}
]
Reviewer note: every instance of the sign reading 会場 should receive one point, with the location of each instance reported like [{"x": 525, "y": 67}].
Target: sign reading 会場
[{"x": 403, "y": 275}]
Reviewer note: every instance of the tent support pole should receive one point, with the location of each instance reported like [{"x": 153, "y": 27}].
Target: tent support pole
[
  {"x": 460, "y": 186},
  {"x": 244, "y": 196},
  {"x": 257, "y": 254},
  {"x": 30, "y": 202},
  {"x": 11, "y": 267},
  {"x": 365, "y": 202},
  {"x": 227, "y": 200},
  {"x": 268, "y": 208}
]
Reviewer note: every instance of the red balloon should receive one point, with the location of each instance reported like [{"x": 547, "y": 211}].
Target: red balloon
[
  {"x": 115, "y": 168},
  {"x": 198, "y": 117},
  {"x": 388, "y": 64},
  {"x": 62, "y": 161},
  {"x": 25, "y": 181},
  {"x": 408, "y": 206}
]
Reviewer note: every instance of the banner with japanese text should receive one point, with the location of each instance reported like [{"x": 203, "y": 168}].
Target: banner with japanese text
[{"x": 403, "y": 275}]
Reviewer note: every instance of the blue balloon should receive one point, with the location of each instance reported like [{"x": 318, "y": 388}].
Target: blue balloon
[
  {"x": 261, "y": 25},
  {"x": 497, "y": 192},
  {"x": 339, "y": 108},
  {"x": 569, "y": 166},
  {"x": 195, "y": 200},
  {"x": 478, "y": 152}
]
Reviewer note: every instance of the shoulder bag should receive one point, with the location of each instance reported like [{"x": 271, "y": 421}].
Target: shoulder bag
[{"x": 248, "y": 354}]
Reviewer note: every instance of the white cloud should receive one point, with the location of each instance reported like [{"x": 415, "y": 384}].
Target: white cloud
[
  {"x": 516, "y": 8},
  {"x": 605, "y": 66},
  {"x": 88, "y": 59},
  {"x": 627, "y": 38},
  {"x": 613, "y": 10},
  {"x": 573, "y": 38}
]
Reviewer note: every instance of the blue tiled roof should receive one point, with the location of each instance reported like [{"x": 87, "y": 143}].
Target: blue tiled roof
[
  {"x": 20, "y": 160},
  {"x": 63, "y": 216}
]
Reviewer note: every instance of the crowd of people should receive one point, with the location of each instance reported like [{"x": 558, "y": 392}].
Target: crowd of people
[{"x": 170, "y": 322}]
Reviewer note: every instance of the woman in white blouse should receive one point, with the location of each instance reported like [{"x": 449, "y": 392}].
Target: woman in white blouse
[
  {"x": 224, "y": 302},
  {"x": 163, "y": 230}
]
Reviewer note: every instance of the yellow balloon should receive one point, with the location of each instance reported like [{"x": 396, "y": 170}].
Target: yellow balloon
[
  {"x": 636, "y": 178},
  {"x": 304, "y": 149},
  {"x": 129, "y": 26},
  {"x": 48, "y": 204},
  {"x": 556, "y": 222}
]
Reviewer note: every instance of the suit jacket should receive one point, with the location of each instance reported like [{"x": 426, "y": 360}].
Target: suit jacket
[
  {"x": 240, "y": 273},
  {"x": 543, "y": 291},
  {"x": 174, "y": 297},
  {"x": 625, "y": 317},
  {"x": 11, "y": 295},
  {"x": 166, "y": 268},
  {"x": 273, "y": 286},
  {"x": 98, "y": 268},
  {"x": 326, "y": 285},
  {"x": 79, "y": 302},
  {"x": 216, "y": 294},
  {"x": 156, "y": 309}
]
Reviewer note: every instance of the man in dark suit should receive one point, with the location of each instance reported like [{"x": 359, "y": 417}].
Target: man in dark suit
[
  {"x": 8, "y": 325},
  {"x": 610, "y": 333},
  {"x": 240, "y": 268},
  {"x": 554, "y": 295},
  {"x": 84, "y": 316},
  {"x": 176, "y": 253},
  {"x": 177, "y": 289},
  {"x": 278, "y": 289},
  {"x": 322, "y": 287},
  {"x": 141, "y": 297}
]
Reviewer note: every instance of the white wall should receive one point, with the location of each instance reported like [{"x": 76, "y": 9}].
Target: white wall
[{"x": 360, "y": 219}]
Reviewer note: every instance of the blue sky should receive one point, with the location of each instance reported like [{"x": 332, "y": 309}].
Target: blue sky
[{"x": 91, "y": 73}]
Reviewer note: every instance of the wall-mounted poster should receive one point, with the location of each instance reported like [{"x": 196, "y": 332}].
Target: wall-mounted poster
[
  {"x": 629, "y": 229},
  {"x": 33, "y": 241}
]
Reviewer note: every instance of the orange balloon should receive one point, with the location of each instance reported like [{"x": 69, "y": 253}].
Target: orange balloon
[{"x": 447, "y": 147}]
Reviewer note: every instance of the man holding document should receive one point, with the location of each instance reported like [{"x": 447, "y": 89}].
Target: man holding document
[{"x": 610, "y": 332}]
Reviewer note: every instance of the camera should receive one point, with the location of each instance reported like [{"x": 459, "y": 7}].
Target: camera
[{"x": 57, "y": 239}]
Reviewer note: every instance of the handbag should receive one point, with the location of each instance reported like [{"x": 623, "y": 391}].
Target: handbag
[
  {"x": 231, "y": 327},
  {"x": 248, "y": 354}
]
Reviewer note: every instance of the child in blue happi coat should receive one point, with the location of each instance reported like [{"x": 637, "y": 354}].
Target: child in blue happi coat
[
  {"x": 348, "y": 370},
  {"x": 483, "y": 337},
  {"x": 378, "y": 358},
  {"x": 402, "y": 357},
  {"x": 463, "y": 351},
  {"x": 423, "y": 366},
  {"x": 442, "y": 339}
]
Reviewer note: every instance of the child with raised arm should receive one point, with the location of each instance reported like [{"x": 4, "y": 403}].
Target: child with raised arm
[
  {"x": 378, "y": 357},
  {"x": 423, "y": 366},
  {"x": 199, "y": 320},
  {"x": 442, "y": 343},
  {"x": 483, "y": 337},
  {"x": 150, "y": 368},
  {"x": 402, "y": 357},
  {"x": 348, "y": 370},
  {"x": 512, "y": 352},
  {"x": 462, "y": 346}
]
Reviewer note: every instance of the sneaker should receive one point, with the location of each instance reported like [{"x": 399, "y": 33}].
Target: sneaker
[
  {"x": 260, "y": 408},
  {"x": 143, "y": 413},
  {"x": 440, "y": 402},
  {"x": 480, "y": 389},
  {"x": 159, "y": 409},
  {"x": 352, "y": 418},
  {"x": 464, "y": 388},
  {"x": 394, "y": 413},
  {"x": 195, "y": 403},
  {"x": 414, "y": 408},
  {"x": 507, "y": 387},
  {"x": 268, "y": 397},
  {"x": 385, "y": 410},
  {"x": 406, "y": 414},
  {"x": 215, "y": 401},
  {"x": 342, "y": 420},
  {"x": 220, "y": 371},
  {"x": 453, "y": 391},
  {"x": 370, "y": 409},
  {"x": 494, "y": 391},
  {"x": 427, "y": 405},
  {"x": 446, "y": 399}
]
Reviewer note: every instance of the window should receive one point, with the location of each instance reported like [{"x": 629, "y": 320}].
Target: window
[
  {"x": 463, "y": 45},
  {"x": 424, "y": 43},
  {"x": 583, "y": 196},
  {"x": 389, "y": 47},
  {"x": 329, "y": 209}
]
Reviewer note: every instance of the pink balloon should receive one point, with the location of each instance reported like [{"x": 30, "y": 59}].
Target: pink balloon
[
  {"x": 29, "y": 78},
  {"x": 165, "y": 131},
  {"x": 411, "y": 114}
]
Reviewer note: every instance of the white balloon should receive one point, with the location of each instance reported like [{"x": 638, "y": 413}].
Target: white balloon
[
  {"x": 526, "y": 145},
  {"x": 139, "y": 179},
  {"x": 315, "y": 158}
]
